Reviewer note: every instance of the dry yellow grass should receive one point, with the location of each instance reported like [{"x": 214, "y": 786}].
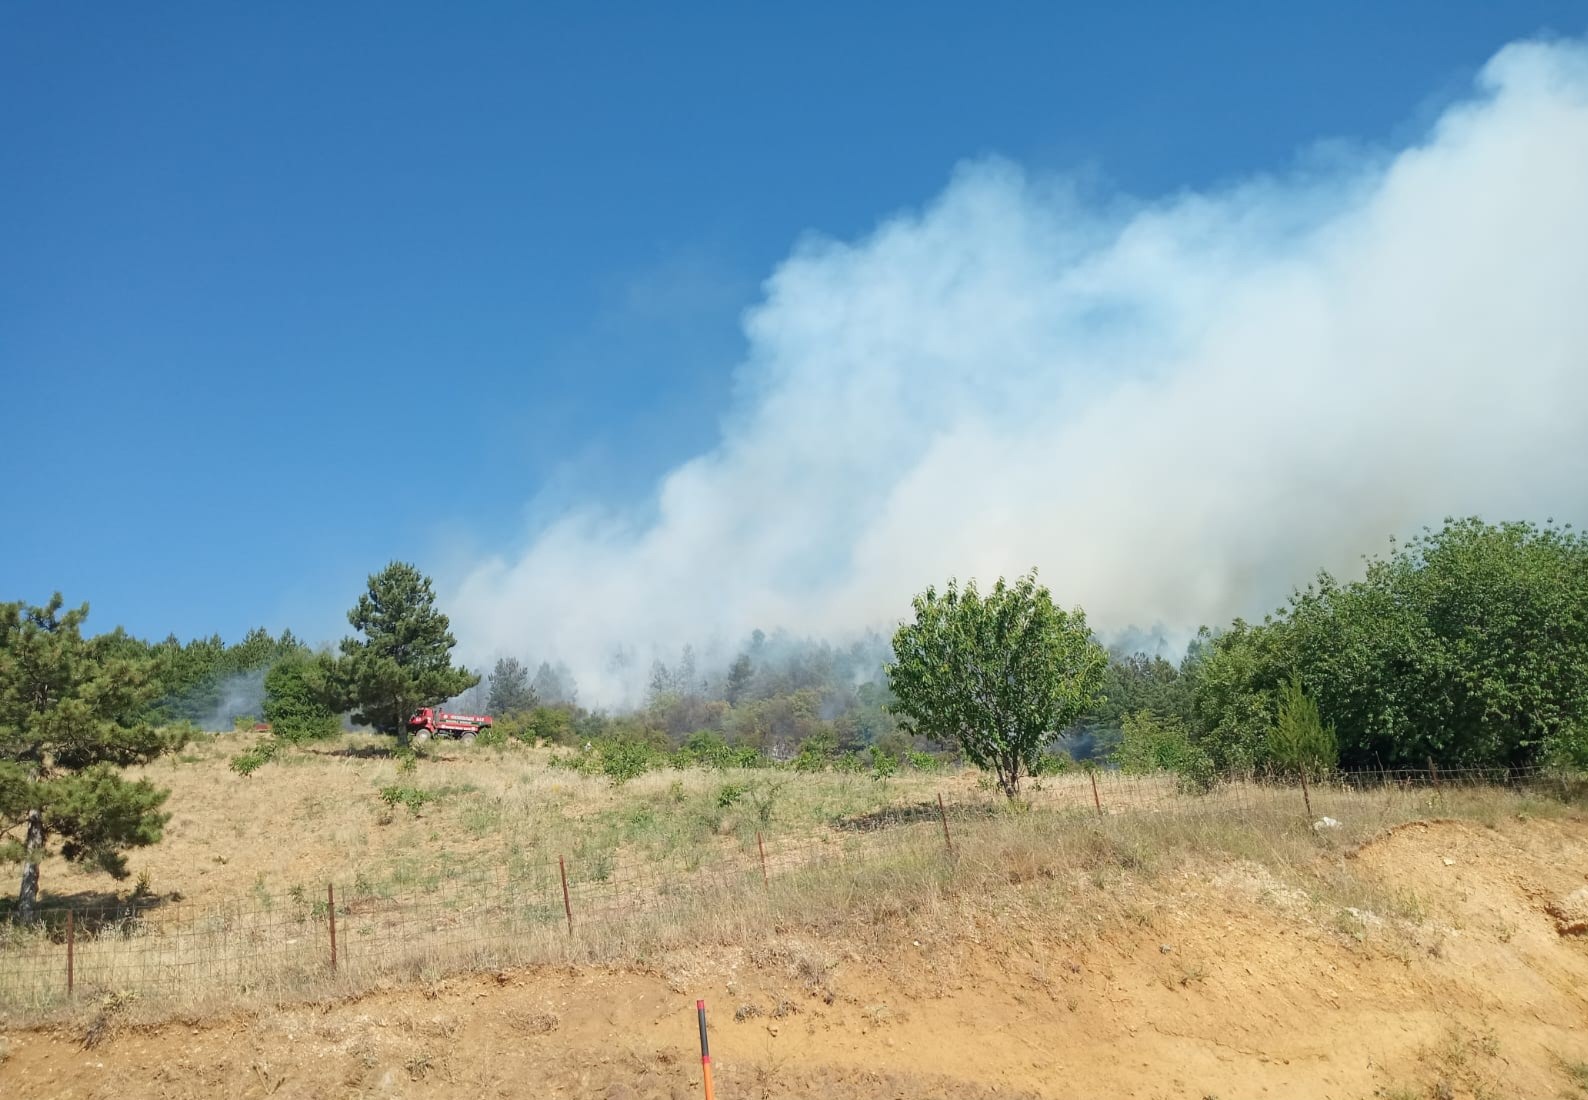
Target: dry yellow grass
[{"x": 473, "y": 881}]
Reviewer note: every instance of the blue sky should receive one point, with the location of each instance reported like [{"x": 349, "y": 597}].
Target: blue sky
[{"x": 290, "y": 290}]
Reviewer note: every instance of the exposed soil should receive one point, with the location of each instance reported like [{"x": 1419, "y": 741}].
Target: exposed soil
[{"x": 1227, "y": 985}]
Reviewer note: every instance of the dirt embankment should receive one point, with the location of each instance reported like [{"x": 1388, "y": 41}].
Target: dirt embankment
[{"x": 1215, "y": 983}]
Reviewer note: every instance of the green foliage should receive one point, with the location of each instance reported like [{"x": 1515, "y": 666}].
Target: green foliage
[
  {"x": 406, "y": 795},
  {"x": 1300, "y": 743},
  {"x": 626, "y": 759},
  {"x": 1151, "y": 744},
  {"x": 884, "y": 765},
  {"x": 709, "y": 749},
  {"x": 816, "y": 753},
  {"x": 250, "y": 760},
  {"x": 1000, "y": 674},
  {"x": 200, "y": 680},
  {"x": 729, "y": 794},
  {"x": 1468, "y": 645},
  {"x": 403, "y": 661},
  {"x": 1052, "y": 763},
  {"x": 298, "y": 690},
  {"x": 72, "y": 711},
  {"x": 511, "y": 692}
]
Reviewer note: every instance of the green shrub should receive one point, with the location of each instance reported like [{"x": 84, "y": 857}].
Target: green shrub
[
  {"x": 402, "y": 795},
  {"x": 1052, "y": 763},
  {"x": 817, "y": 753},
  {"x": 709, "y": 749},
  {"x": 1151, "y": 744},
  {"x": 884, "y": 765}
]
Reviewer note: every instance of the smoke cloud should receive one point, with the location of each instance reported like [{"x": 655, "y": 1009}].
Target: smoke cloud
[{"x": 1176, "y": 409}]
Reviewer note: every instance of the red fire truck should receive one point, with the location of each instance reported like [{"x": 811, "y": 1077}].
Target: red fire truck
[{"x": 429, "y": 722}]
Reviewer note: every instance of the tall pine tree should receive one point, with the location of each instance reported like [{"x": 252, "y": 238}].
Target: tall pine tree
[{"x": 404, "y": 659}]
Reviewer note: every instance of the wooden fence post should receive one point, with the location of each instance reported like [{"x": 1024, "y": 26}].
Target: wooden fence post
[
  {"x": 1305, "y": 797},
  {"x": 1096, "y": 801},
  {"x": 71, "y": 945},
  {"x": 567, "y": 906},
  {"x": 330, "y": 910},
  {"x": 1433, "y": 770},
  {"x": 942, "y": 815},
  {"x": 765, "y": 881}
]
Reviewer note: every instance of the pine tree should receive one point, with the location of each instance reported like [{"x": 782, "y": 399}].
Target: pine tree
[
  {"x": 510, "y": 690},
  {"x": 404, "y": 660},
  {"x": 71, "y": 714}
]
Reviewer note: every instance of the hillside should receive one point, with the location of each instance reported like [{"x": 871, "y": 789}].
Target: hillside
[{"x": 1148, "y": 952}]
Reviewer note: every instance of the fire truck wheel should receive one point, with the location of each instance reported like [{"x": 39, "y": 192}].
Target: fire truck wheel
[
  {"x": 467, "y": 737},
  {"x": 421, "y": 736}
]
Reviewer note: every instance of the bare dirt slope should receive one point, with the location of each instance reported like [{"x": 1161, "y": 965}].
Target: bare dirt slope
[{"x": 1213, "y": 982}]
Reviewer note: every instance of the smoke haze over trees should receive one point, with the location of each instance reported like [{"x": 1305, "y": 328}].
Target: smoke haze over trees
[{"x": 1175, "y": 407}]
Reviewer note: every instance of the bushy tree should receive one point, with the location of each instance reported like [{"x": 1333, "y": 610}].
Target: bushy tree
[
  {"x": 1150, "y": 743},
  {"x": 1468, "y": 645},
  {"x": 298, "y": 693},
  {"x": 72, "y": 712},
  {"x": 1000, "y": 674},
  {"x": 511, "y": 692},
  {"x": 404, "y": 659}
]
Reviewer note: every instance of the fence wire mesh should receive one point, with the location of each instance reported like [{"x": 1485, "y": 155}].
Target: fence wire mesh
[{"x": 353, "y": 935}]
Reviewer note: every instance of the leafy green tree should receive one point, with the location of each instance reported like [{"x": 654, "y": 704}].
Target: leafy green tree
[
  {"x": 510, "y": 689},
  {"x": 404, "y": 659},
  {"x": 1000, "y": 674},
  {"x": 72, "y": 712},
  {"x": 298, "y": 693},
  {"x": 1468, "y": 645}
]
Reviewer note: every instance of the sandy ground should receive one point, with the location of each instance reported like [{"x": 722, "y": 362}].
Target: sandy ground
[{"x": 1224, "y": 987}]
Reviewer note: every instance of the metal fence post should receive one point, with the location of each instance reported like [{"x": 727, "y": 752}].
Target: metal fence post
[
  {"x": 765, "y": 881},
  {"x": 1096, "y": 801},
  {"x": 71, "y": 944},
  {"x": 330, "y": 909}
]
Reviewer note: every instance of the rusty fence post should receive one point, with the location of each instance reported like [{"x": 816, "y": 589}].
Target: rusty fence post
[
  {"x": 942, "y": 815},
  {"x": 1305, "y": 796},
  {"x": 330, "y": 912},
  {"x": 765, "y": 881},
  {"x": 567, "y": 906},
  {"x": 1096, "y": 801},
  {"x": 71, "y": 945}
]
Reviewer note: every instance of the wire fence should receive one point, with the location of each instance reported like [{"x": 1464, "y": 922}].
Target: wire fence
[{"x": 278, "y": 945}]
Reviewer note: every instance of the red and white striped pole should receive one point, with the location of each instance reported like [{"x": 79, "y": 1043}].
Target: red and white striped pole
[{"x": 705, "y": 1050}]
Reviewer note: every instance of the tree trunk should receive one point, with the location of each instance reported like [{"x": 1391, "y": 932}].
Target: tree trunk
[
  {"x": 28, "y": 895},
  {"x": 1009, "y": 778}
]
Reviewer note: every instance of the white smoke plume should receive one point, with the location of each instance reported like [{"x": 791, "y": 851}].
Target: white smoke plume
[{"x": 1176, "y": 409}]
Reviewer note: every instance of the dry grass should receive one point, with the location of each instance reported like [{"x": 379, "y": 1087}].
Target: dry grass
[{"x": 473, "y": 882}]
